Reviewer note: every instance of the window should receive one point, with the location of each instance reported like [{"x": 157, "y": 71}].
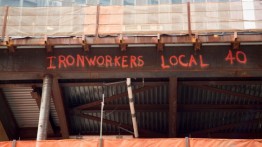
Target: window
[
  {"x": 129, "y": 2},
  {"x": 117, "y": 2},
  {"x": 164, "y": 1},
  {"x": 152, "y": 2},
  {"x": 176, "y": 1},
  {"x": 104, "y": 2}
]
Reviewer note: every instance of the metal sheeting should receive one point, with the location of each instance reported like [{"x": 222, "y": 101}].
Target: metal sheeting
[
  {"x": 195, "y": 121},
  {"x": 144, "y": 119},
  {"x": 79, "y": 95},
  {"x": 54, "y": 113},
  {"x": 23, "y": 106},
  {"x": 200, "y": 120},
  {"x": 193, "y": 95}
]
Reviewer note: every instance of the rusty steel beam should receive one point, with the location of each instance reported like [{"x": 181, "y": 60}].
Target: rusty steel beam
[
  {"x": 132, "y": 40},
  {"x": 144, "y": 133},
  {"x": 29, "y": 133},
  {"x": 125, "y": 107},
  {"x": 3, "y": 134},
  {"x": 7, "y": 119},
  {"x": 180, "y": 107},
  {"x": 218, "y": 107},
  {"x": 23, "y": 75},
  {"x": 172, "y": 107},
  {"x": 108, "y": 99},
  {"x": 60, "y": 109},
  {"x": 231, "y": 82}
]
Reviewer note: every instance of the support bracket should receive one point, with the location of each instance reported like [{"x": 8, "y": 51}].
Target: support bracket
[
  {"x": 235, "y": 44},
  {"x": 197, "y": 43},
  {"x": 85, "y": 46},
  {"x": 122, "y": 45},
  {"x": 48, "y": 46},
  {"x": 9, "y": 44}
]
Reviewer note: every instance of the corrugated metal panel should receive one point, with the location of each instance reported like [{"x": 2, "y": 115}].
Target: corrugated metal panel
[
  {"x": 79, "y": 95},
  {"x": 23, "y": 106},
  {"x": 54, "y": 113},
  {"x": 193, "y": 95},
  {"x": 196, "y": 121}
]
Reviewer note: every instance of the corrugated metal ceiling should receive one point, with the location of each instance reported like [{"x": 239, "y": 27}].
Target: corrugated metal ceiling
[{"x": 25, "y": 108}]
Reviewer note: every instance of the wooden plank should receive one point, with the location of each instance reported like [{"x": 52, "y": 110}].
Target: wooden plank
[
  {"x": 7, "y": 119},
  {"x": 59, "y": 105},
  {"x": 172, "y": 120},
  {"x": 111, "y": 98}
]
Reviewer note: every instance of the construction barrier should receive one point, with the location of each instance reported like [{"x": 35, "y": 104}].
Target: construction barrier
[
  {"x": 136, "y": 20},
  {"x": 168, "y": 142}
]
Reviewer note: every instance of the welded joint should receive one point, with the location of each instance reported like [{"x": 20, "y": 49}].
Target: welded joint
[
  {"x": 85, "y": 46},
  {"x": 122, "y": 44},
  {"x": 197, "y": 43},
  {"x": 8, "y": 42},
  {"x": 159, "y": 44},
  {"x": 235, "y": 44},
  {"x": 48, "y": 46}
]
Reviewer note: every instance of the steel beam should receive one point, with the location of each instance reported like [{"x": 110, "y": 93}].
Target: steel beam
[
  {"x": 7, "y": 119},
  {"x": 172, "y": 120},
  {"x": 134, "y": 40},
  {"x": 59, "y": 105}
]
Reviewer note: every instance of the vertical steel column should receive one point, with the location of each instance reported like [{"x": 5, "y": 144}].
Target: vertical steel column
[
  {"x": 132, "y": 107},
  {"x": 189, "y": 19},
  {"x": 44, "y": 108}
]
